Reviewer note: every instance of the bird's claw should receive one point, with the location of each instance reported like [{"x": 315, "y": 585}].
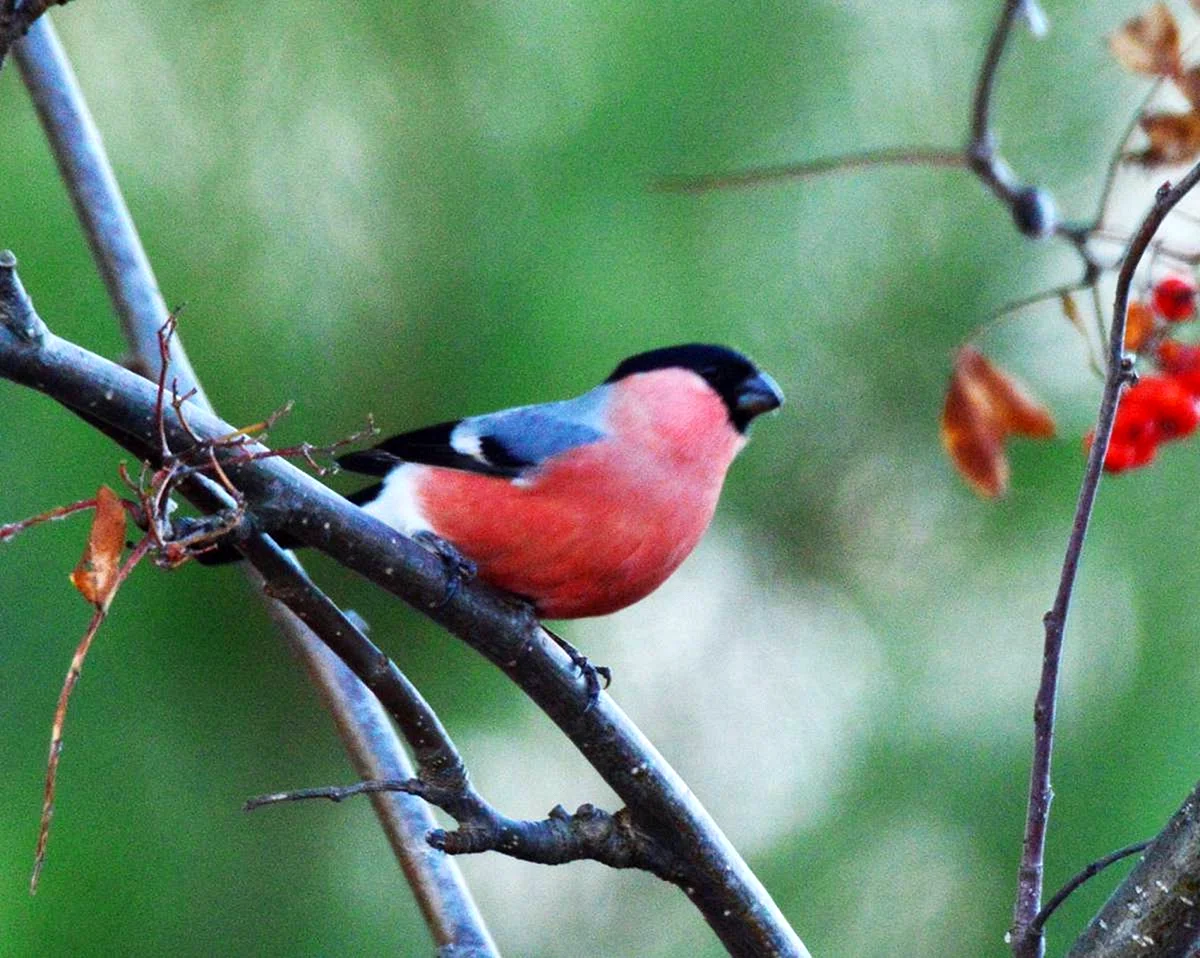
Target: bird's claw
[
  {"x": 592, "y": 674},
  {"x": 459, "y": 568}
]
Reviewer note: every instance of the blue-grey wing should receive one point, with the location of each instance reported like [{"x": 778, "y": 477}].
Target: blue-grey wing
[{"x": 507, "y": 444}]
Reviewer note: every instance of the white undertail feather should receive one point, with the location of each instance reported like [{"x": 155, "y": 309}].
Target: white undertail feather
[{"x": 397, "y": 503}]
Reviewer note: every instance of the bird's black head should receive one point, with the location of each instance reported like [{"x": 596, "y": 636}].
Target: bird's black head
[{"x": 746, "y": 391}]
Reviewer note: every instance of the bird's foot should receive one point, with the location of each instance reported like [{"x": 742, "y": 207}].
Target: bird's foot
[
  {"x": 592, "y": 674},
  {"x": 459, "y": 568}
]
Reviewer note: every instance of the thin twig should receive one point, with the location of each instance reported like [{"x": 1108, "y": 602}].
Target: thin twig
[
  {"x": 10, "y": 529},
  {"x": 1085, "y": 874},
  {"x": 1027, "y": 941},
  {"x": 588, "y": 834},
  {"x": 899, "y": 156},
  {"x": 60, "y": 712}
]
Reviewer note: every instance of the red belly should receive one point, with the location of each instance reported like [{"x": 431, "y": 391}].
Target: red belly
[{"x": 571, "y": 544}]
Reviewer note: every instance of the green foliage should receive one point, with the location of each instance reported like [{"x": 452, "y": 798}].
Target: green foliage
[{"x": 424, "y": 210}]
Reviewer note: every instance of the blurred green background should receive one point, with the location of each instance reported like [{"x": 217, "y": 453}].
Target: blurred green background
[{"x": 430, "y": 209}]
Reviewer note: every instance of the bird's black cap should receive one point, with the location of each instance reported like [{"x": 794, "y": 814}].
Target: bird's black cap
[{"x": 746, "y": 391}]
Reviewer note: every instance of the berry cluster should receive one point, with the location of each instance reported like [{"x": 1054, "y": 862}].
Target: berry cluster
[{"x": 1160, "y": 407}]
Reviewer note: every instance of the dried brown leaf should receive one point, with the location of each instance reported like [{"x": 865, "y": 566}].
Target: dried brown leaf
[
  {"x": 1174, "y": 138},
  {"x": 1188, "y": 83},
  {"x": 1140, "y": 324},
  {"x": 72, "y": 678},
  {"x": 1148, "y": 43},
  {"x": 984, "y": 406},
  {"x": 98, "y": 570},
  {"x": 1071, "y": 310}
]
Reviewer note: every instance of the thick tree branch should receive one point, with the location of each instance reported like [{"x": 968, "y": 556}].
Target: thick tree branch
[
  {"x": 371, "y": 743},
  {"x": 1155, "y": 913},
  {"x": 282, "y": 497},
  {"x": 83, "y": 164}
]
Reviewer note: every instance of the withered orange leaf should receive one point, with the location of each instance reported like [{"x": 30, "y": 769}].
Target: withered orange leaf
[
  {"x": 1071, "y": 310},
  {"x": 1174, "y": 138},
  {"x": 1148, "y": 43},
  {"x": 1188, "y": 83},
  {"x": 96, "y": 575},
  {"x": 983, "y": 407},
  {"x": 1139, "y": 324}
]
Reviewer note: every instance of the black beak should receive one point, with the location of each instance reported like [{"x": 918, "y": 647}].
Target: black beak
[{"x": 756, "y": 395}]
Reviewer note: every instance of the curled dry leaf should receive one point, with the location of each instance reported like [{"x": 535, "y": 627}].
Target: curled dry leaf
[
  {"x": 1140, "y": 324},
  {"x": 985, "y": 406},
  {"x": 1071, "y": 310},
  {"x": 97, "y": 573},
  {"x": 1174, "y": 138},
  {"x": 1148, "y": 43}
]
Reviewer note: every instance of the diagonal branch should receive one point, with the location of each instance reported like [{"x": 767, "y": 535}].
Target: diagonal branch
[
  {"x": 442, "y": 780},
  {"x": 283, "y": 498},
  {"x": 444, "y": 899}
]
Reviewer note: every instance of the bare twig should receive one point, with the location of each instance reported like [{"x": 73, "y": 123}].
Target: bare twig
[
  {"x": 723, "y": 888},
  {"x": 1027, "y": 941},
  {"x": 60, "y": 712},
  {"x": 1090, "y": 871},
  {"x": 444, "y": 898},
  {"x": 10, "y": 529},
  {"x": 900, "y": 156},
  {"x": 1031, "y": 207}
]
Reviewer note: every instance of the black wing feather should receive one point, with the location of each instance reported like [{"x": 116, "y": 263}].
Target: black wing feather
[{"x": 430, "y": 447}]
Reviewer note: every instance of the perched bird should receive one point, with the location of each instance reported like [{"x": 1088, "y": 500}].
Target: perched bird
[{"x": 582, "y": 506}]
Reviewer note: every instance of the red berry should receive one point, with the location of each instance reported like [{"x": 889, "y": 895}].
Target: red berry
[
  {"x": 1161, "y": 403},
  {"x": 1121, "y": 457},
  {"x": 1181, "y": 362},
  {"x": 1174, "y": 298},
  {"x": 1156, "y": 410}
]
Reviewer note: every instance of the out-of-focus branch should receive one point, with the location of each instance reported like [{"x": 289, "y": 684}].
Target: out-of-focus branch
[
  {"x": 1032, "y": 208},
  {"x": 83, "y": 164},
  {"x": 374, "y": 751},
  {"x": 1026, "y": 935},
  {"x": 1155, "y": 913},
  {"x": 281, "y": 497}
]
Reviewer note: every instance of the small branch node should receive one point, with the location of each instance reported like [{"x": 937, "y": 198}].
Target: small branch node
[{"x": 17, "y": 314}]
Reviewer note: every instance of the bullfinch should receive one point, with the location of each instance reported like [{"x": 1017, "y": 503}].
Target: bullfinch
[
  {"x": 582, "y": 506},
  {"x": 585, "y": 505}
]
